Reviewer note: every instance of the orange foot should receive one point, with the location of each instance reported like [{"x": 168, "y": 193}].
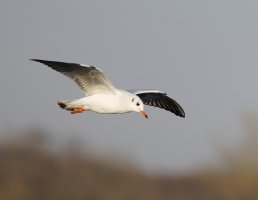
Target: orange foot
[{"x": 77, "y": 110}]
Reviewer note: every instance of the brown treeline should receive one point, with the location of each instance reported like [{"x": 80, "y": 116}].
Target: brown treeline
[{"x": 30, "y": 171}]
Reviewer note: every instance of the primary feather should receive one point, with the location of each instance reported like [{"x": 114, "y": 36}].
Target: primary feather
[{"x": 90, "y": 79}]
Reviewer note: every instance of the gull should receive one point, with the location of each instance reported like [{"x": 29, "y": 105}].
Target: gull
[{"x": 101, "y": 96}]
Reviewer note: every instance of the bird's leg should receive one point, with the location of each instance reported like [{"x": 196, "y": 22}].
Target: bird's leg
[{"x": 78, "y": 110}]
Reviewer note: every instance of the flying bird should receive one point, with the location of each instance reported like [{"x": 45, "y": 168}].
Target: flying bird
[{"x": 101, "y": 96}]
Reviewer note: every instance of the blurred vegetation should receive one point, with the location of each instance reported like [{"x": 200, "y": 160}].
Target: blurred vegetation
[{"x": 30, "y": 170}]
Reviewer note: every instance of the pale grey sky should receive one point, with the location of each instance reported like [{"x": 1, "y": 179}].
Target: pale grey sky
[{"x": 202, "y": 53}]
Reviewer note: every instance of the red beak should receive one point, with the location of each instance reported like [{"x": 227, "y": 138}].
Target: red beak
[{"x": 144, "y": 114}]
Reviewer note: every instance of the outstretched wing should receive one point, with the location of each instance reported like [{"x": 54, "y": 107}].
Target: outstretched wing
[
  {"x": 159, "y": 99},
  {"x": 90, "y": 79}
]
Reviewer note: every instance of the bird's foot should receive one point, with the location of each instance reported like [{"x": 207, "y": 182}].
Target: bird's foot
[{"x": 77, "y": 110}]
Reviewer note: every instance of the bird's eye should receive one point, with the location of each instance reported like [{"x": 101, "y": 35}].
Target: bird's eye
[
  {"x": 133, "y": 100},
  {"x": 137, "y": 104}
]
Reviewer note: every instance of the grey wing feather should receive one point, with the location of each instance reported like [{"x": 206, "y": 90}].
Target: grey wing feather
[
  {"x": 90, "y": 79},
  {"x": 159, "y": 99}
]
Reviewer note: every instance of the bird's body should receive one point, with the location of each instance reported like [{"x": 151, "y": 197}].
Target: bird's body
[
  {"x": 103, "y": 97},
  {"x": 117, "y": 103}
]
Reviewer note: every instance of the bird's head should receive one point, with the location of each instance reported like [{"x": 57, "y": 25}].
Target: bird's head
[{"x": 138, "y": 106}]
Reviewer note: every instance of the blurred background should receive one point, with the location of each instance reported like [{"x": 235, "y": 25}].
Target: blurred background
[{"x": 202, "y": 53}]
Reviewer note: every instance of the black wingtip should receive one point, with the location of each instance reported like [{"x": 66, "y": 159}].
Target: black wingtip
[
  {"x": 182, "y": 115},
  {"x": 36, "y": 60},
  {"x": 180, "y": 112},
  {"x": 48, "y": 62}
]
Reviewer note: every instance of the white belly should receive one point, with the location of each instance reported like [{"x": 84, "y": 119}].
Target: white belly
[{"x": 104, "y": 103}]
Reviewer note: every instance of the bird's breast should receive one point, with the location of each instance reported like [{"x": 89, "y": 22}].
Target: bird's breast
[{"x": 106, "y": 103}]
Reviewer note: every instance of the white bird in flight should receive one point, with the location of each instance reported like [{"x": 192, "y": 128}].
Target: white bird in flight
[{"x": 101, "y": 96}]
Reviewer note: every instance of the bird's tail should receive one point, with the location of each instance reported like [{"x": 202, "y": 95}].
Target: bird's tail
[
  {"x": 75, "y": 106},
  {"x": 64, "y": 105}
]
